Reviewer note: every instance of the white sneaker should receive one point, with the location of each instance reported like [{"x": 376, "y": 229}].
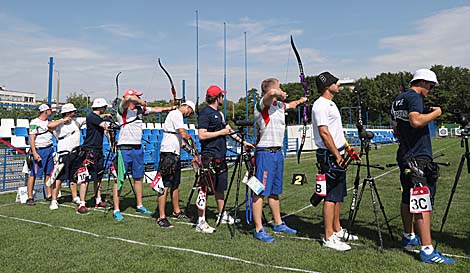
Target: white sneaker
[
  {"x": 343, "y": 235},
  {"x": 54, "y": 205},
  {"x": 204, "y": 227},
  {"x": 226, "y": 219},
  {"x": 336, "y": 244},
  {"x": 76, "y": 200}
]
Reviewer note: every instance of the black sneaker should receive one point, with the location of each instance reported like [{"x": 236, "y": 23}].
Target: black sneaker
[
  {"x": 164, "y": 223},
  {"x": 180, "y": 215},
  {"x": 49, "y": 198},
  {"x": 30, "y": 202}
]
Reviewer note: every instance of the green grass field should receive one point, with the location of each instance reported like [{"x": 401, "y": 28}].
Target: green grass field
[{"x": 35, "y": 239}]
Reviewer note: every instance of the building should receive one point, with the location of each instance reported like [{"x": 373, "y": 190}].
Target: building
[
  {"x": 347, "y": 83},
  {"x": 16, "y": 97}
]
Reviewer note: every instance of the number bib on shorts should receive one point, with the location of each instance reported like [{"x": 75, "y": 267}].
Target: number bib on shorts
[
  {"x": 320, "y": 187},
  {"x": 420, "y": 200},
  {"x": 82, "y": 175},
  {"x": 201, "y": 200},
  {"x": 157, "y": 183}
]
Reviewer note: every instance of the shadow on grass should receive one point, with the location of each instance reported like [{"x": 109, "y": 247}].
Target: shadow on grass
[{"x": 452, "y": 240}]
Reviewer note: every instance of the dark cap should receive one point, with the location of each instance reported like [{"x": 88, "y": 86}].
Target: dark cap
[{"x": 324, "y": 80}]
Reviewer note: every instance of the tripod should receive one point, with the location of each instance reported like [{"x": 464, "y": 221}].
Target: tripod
[
  {"x": 112, "y": 170},
  {"x": 237, "y": 170},
  {"x": 466, "y": 156},
  {"x": 369, "y": 180}
]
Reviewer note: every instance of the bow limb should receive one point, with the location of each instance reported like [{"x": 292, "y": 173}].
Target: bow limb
[
  {"x": 115, "y": 102},
  {"x": 173, "y": 90},
  {"x": 303, "y": 81}
]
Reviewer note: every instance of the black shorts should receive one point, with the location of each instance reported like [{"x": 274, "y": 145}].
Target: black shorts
[
  {"x": 170, "y": 169},
  {"x": 335, "y": 187},
  {"x": 410, "y": 179},
  {"x": 218, "y": 171},
  {"x": 93, "y": 159},
  {"x": 64, "y": 174}
]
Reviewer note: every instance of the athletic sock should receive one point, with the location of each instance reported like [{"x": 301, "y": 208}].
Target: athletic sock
[
  {"x": 409, "y": 236},
  {"x": 98, "y": 200},
  {"x": 201, "y": 219},
  {"x": 116, "y": 210},
  {"x": 82, "y": 203},
  {"x": 138, "y": 207},
  {"x": 427, "y": 249}
]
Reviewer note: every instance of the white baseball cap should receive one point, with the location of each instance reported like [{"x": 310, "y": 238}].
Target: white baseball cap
[
  {"x": 190, "y": 104},
  {"x": 99, "y": 102},
  {"x": 43, "y": 107},
  {"x": 425, "y": 74},
  {"x": 68, "y": 107}
]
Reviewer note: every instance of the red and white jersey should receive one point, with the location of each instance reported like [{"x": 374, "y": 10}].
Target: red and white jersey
[
  {"x": 131, "y": 129},
  {"x": 271, "y": 123}
]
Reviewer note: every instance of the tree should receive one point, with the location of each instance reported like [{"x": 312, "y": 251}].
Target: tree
[{"x": 81, "y": 102}]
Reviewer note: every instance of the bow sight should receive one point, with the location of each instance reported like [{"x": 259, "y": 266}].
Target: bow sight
[{"x": 462, "y": 119}]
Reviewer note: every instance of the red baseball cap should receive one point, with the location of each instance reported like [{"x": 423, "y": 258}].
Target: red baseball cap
[
  {"x": 214, "y": 90},
  {"x": 130, "y": 92}
]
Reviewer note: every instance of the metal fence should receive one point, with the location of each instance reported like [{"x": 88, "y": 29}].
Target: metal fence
[{"x": 11, "y": 164}]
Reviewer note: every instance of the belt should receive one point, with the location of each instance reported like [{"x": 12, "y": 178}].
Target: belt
[
  {"x": 42, "y": 148},
  {"x": 129, "y": 147},
  {"x": 326, "y": 151},
  {"x": 69, "y": 134},
  {"x": 269, "y": 149}
]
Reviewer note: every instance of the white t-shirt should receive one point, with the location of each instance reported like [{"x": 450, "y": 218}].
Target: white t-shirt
[
  {"x": 271, "y": 122},
  {"x": 69, "y": 135},
  {"x": 325, "y": 112},
  {"x": 171, "y": 142},
  {"x": 39, "y": 128},
  {"x": 131, "y": 132}
]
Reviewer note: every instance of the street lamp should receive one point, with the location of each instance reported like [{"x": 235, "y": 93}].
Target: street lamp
[{"x": 87, "y": 98}]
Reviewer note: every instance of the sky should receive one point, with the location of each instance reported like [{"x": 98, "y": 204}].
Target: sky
[{"x": 91, "y": 41}]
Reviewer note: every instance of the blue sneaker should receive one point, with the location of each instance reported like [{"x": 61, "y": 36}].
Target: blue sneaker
[
  {"x": 284, "y": 228},
  {"x": 435, "y": 258},
  {"x": 143, "y": 210},
  {"x": 408, "y": 243},
  {"x": 118, "y": 216},
  {"x": 263, "y": 236}
]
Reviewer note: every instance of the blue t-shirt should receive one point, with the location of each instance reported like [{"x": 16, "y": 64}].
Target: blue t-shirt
[
  {"x": 213, "y": 121},
  {"x": 413, "y": 141},
  {"x": 94, "y": 132}
]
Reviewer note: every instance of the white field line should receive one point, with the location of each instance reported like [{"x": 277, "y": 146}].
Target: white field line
[
  {"x": 9, "y": 204},
  {"x": 123, "y": 213},
  {"x": 310, "y": 239},
  {"x": 293, "y": 213},
  {"x": 226, "y": 257},
  {"x": 446, "y": 254}
]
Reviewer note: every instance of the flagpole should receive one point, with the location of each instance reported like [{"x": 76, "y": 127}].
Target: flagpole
[
  {"x": 197, "y": 57},
  {"x": 225, "y": 70}
]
